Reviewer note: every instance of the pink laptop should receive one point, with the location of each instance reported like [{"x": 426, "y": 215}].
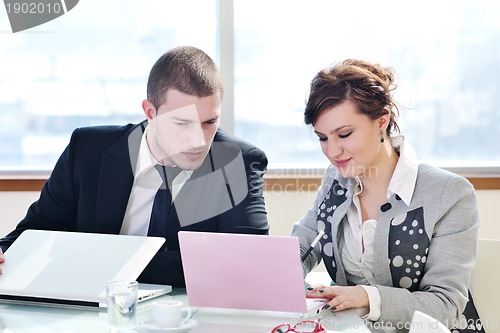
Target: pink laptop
[{"x": 253, "y": 274}]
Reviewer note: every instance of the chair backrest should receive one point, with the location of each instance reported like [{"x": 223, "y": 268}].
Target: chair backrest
[
  {"x": 486, "y": 292},
  {"x": 423, "y": 323}
]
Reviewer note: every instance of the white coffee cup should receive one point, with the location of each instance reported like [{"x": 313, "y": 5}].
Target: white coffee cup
[{"x": 171, "y": 313}]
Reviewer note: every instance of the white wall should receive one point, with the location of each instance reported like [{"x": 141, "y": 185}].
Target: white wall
[
  {"x": 284, "y": 208},
  {"x": 13, "y": 206}
]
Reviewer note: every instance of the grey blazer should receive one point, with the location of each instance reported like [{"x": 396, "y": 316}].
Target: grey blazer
[{"x": 426, "y": 251}]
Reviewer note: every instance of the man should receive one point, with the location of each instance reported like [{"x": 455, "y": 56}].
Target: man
[{"x": 122, "y": 180}]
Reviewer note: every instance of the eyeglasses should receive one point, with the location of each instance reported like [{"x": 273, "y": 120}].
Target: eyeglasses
[{"x": 304, "y": 326}]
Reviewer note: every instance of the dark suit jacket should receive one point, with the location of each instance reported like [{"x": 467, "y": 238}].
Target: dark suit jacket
[{"x": 89, "y": 188}]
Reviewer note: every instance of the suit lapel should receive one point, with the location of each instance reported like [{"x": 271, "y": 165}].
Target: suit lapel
[
  {"x": 116, "y": 178},
  {"x": 381, "y": 264}
]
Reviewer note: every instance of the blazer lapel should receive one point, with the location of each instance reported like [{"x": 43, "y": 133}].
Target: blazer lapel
[
  {"x": 338, "y": 219},
  {"x": 381, "y": 265},
  {"x": 116, "y": 179}
]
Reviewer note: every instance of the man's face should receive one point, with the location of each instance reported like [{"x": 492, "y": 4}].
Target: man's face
[{"x": 182, "y": 129}]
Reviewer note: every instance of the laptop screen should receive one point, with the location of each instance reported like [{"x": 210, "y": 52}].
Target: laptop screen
[
  {"x": 241, "y": 271},
  {"x": 72, "y": 267}
]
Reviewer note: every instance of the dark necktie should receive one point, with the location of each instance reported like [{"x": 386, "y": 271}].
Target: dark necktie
[{"x": 163, "y": 201}]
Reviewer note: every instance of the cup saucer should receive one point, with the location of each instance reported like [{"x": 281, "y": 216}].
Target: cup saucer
[{"x": 152, "y": 326}]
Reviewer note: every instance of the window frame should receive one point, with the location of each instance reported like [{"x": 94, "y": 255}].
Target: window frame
[
  {"x": 28, "y": 179},
  {"x": 277, "y": 183}
]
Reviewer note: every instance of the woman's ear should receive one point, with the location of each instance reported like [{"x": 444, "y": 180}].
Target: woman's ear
[
  {"x": 149, "y": 109},
  {"x": 383, "y": 122}
]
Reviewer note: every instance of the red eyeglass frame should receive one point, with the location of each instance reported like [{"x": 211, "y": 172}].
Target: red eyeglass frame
[{"x": 318, "y": 328}]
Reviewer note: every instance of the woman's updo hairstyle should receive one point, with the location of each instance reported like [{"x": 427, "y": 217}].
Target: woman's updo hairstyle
[{"x": 368, "y": 86}]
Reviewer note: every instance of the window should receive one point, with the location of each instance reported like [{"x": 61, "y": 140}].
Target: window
[
  {"x": 90, "y": 67},
  {"x": 445, "y": 54},
  {"x": 87, "y": 67}
]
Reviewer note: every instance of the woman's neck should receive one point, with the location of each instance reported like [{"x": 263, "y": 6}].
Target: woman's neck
[{"x": 378, "y": 180}]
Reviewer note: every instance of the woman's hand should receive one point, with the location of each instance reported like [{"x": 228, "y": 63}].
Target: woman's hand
[
  {"x": 341, "y": 298},
  {"x": 2, "y": 259}
]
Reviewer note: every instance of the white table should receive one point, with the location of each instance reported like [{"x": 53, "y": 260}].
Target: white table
[{"x": 41, "y": 319}]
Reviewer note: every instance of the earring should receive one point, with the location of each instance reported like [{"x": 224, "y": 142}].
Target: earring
[{"x": 382, "y": 139}]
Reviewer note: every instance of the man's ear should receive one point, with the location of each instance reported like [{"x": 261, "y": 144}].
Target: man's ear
[{"x": 149, "y": 109}]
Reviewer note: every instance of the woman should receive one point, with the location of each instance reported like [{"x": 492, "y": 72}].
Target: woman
[{"x": 399, "y": 236}]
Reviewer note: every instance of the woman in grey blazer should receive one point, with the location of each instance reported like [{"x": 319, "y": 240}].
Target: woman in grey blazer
[{"x": 399, "y": 236}]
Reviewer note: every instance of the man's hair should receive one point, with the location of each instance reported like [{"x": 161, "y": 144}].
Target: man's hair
[{"x": 186, "y": 69}]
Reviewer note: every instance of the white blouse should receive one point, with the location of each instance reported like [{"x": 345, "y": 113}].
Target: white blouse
[{"x": 358, "y": 233}]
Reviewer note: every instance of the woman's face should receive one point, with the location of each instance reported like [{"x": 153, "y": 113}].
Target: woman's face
[{"x": 350, "y": 140}]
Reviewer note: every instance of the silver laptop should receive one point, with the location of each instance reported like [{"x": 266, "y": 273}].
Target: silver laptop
[
  {"x": 254, "y": 274},
  {"x": 70, "y": 269}
]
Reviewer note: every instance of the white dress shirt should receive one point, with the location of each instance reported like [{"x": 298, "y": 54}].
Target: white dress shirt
[
  {"x": 147, "y": 181},
  {"x": 359, "y": 234}
]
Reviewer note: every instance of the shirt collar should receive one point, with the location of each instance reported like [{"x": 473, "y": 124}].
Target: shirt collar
[
  {"x": 146, "y": 161},
  {"x": 405, "y": 174}
]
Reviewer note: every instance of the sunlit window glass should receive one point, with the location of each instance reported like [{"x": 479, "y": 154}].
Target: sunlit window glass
[
  {"x": 445, "y": 54},
  {"x": 87, "y": 67}
]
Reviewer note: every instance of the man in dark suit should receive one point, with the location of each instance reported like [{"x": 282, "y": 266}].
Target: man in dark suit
[{"x": 175, "y": 171}]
